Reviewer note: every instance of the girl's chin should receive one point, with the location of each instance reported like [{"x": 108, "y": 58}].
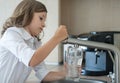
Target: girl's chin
[{"x": 37, "y": 34}]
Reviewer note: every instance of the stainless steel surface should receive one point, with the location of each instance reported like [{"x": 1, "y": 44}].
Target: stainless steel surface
[
  {"x": 90, "y": 81},
  {"x": 80, "y": 81},
  {"x": 101, "y": 46}
]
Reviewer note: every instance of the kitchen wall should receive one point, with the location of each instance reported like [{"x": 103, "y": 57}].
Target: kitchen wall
[
  {"x": 53, "y": 21},
  {"x": 83, "y": 16},
  {"x": 6, "y": 9}
]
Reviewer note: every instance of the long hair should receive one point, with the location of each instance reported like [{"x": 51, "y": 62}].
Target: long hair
[{"x": 23, "y": 14}]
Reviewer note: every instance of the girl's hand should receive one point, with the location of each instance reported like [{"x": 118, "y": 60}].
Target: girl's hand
[
  {"x": 79, "y": 68},
  {"x": 61, "y": 33}
]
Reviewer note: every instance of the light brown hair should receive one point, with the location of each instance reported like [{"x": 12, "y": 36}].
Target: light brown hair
[{"x": 23, "y": 14}]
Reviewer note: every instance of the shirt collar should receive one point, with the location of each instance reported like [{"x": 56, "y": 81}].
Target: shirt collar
[{"x": 24, "y": 34}]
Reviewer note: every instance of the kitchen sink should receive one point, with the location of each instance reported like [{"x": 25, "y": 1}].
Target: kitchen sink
[{"x": 80, "y": 81}]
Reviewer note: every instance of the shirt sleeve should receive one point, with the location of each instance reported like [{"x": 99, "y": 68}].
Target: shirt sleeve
[
  {"x": 41, "y": 71},
  {"x": 12, "y": 41}
]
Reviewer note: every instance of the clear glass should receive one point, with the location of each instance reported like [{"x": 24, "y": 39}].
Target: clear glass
[{"x": 74, "y": 61}]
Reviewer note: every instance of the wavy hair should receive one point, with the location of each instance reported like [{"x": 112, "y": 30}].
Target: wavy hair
[{"x": 23, "y": 14}]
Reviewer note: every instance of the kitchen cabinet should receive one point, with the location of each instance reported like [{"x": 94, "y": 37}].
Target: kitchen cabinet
[{"x": 82, "y": 16}]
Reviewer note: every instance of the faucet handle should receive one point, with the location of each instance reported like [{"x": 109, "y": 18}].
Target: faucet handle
[{"x": 112, "y": 76}]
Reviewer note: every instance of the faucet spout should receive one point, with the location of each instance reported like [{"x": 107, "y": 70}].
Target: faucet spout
[{"x": 101, "y": 46}]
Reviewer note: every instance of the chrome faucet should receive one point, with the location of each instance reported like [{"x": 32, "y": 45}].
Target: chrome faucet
[{"x": 104, "y": 46}]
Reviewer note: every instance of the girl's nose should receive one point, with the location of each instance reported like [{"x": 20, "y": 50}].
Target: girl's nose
[{"x": 43, "y": 25}]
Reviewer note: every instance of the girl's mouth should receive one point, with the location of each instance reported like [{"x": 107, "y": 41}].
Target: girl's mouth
[{"x": 41, "y": 29}]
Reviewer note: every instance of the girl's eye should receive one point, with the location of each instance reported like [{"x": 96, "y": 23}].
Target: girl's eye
[{"x": 41, "y": 18}]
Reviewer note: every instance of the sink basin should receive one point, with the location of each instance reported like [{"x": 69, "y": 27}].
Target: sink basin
[{"x": 80, "y": 81}]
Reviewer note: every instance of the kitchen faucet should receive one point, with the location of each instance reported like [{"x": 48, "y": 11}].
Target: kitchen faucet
[{"x": 110, "y": 47}]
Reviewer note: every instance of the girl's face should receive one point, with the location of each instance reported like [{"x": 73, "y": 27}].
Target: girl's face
[{"x": 37, "y": 24}]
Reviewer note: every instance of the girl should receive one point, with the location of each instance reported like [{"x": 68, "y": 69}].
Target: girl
[{"x": 20, "y": 46}]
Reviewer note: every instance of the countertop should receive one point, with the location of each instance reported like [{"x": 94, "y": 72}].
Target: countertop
[{"x": 33, "y": 79}]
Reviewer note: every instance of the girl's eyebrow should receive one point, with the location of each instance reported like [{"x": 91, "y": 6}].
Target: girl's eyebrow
[{"x": 43, "y": 15}]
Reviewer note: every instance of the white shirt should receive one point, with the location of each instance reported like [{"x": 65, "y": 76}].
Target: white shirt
[{"x": 17, "y": 47}]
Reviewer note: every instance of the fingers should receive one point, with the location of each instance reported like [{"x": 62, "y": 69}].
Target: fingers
[{"x": 61, "y": 33}]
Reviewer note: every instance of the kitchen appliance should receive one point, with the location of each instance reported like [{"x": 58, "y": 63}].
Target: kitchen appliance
[{"x": 97, "y": 61}]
